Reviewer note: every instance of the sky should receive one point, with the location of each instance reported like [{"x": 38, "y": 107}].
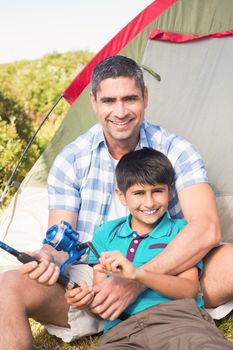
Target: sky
[{"x": 30, "y": 29}]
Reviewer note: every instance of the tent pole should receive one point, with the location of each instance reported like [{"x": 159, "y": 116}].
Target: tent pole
[{"x": 10, "y": 180}]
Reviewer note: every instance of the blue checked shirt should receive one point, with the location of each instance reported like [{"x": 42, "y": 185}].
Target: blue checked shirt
[{"x": 82, "y": 176}]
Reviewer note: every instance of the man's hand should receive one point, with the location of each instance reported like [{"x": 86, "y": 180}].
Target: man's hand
[
  {"x": 113, "y": 296},
  {"x": 45, "y": 271}
]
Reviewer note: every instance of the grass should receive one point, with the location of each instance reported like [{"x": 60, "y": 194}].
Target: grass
[{"x": 45, "y": 341}]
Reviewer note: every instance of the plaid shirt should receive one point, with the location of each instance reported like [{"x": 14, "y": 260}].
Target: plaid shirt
[{"x": 82, "y": 176}]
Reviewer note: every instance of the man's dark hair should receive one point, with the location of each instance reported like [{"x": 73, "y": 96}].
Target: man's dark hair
[
  {"x": 114, "y": 67},
  {"x": 144, "y": 166}
]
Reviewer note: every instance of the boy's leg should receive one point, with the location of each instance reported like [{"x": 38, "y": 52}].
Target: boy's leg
[
  {"x": 176, "y": 325},
  {"x": 20, "y": 298},
  {"x": 181, "y": 325}
]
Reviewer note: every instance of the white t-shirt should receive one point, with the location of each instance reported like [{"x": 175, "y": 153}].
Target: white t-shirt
[{"x": 116, "y": 210}]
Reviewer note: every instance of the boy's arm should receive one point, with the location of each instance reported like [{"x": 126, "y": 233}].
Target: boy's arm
[{"x": 184, "y": 285}]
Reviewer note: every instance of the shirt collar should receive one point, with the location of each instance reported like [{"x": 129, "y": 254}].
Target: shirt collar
[
  {"x": 100, "y": 139},
  {"x": 162, "y": 229},
  {"x": 143, "y": 138}
]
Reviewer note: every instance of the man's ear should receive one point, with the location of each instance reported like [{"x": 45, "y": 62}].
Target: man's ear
[
  {"x": 170, "y": 190},
  {"x": 121, "y": 196},
  {"x": 93, "y": 101},
  {"x": 145, "y": 97}
]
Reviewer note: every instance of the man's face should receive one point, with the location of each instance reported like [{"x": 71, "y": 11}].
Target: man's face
[
  {"x": 120, "y": 106},
  {"x": 147, "y": 204}
]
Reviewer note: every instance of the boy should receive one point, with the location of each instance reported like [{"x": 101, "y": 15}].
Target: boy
[{"x": 165, "y": 315}]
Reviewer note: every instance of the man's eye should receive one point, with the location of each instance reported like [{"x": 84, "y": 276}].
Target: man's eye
[
  {"x": 107, "y": 101},
  {"x": 131, "y": 98}
]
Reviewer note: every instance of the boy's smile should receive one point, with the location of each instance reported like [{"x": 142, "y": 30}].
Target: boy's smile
[{"x": 147, "y": 204}]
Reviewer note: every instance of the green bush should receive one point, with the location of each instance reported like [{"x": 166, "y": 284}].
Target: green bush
[{"x": 28, "y": 90}]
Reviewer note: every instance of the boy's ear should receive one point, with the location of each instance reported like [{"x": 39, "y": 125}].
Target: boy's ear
[{"x": 121, "y": 196}]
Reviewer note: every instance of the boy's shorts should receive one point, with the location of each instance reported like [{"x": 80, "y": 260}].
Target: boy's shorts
[
  {"x": 175, "y": 325},
  {"x": 81, "y": 323}
]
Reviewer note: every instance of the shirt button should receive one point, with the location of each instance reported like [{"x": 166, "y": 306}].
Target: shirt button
[
  {"x": 135, "y": 241},
  {"x": 131, "y": 250}
]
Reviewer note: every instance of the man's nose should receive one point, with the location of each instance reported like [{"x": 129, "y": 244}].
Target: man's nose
[{"x": 120, "y": 110}]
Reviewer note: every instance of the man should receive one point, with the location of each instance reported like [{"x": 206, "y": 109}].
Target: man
[{"x": 81, "y": 184}]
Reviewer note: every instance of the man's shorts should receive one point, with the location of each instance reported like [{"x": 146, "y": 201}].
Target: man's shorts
[{"x": 81, "y": 323}]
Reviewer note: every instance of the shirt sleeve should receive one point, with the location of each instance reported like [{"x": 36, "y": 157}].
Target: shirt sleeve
[
  {"x": 99, "y": 244},
  {"x": 63, "y": 186},
  {"x": 188, "y": 164},
  {"x": 200, "y": 267}
]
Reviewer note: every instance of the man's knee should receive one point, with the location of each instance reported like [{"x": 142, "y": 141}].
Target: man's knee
[
  {"x": 217, "y": 278},
  {"x": 10, "y": 280}
]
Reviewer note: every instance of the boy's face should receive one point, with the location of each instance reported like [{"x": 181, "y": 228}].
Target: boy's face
[{"x": 146, "y": 203}]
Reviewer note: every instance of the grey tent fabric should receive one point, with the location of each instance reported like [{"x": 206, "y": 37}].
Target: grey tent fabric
[{"x": 194, "y": 99}]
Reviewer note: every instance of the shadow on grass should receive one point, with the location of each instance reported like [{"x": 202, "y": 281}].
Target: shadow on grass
[{"x": 44, "y": 341}]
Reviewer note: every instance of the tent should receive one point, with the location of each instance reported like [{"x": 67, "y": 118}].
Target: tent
[{"x": 186, "y": 50}]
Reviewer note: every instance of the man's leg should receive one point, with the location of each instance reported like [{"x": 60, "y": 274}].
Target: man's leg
[
  {"x": 21, "y": 298},
  {"x": 217, "y": 278}
]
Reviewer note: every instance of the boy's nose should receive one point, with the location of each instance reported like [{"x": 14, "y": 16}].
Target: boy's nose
[{"x": 149, "y": 201}]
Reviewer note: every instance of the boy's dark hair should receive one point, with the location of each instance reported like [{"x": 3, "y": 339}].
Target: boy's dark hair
[
  {"x": 145, "y": 166},
  {"x": 114, "y": 67}
]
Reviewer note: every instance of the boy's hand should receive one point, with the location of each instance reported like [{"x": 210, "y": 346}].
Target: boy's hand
[
  {"x": 81, "y": 297},
  {"x": 116, "y": 264}
]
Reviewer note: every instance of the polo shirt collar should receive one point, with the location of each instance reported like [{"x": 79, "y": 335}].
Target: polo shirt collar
[{"x": 162, "y": 229}]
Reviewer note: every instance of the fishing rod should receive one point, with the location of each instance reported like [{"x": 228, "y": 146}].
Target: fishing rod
[{"x": 25, "y": 258}]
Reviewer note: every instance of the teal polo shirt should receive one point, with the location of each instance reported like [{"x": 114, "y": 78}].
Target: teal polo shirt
[{"x": 118, "y": 235}]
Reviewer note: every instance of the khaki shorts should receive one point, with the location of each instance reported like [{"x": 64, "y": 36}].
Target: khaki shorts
[
  {"x": 175, "y": 325},
  {"x": 81, "y": 323}
]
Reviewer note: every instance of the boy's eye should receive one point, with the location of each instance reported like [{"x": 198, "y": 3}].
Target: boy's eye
[{"x": 158, "y": 190}]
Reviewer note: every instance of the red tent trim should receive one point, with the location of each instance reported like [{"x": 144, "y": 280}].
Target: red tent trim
[
  {"x": 116, "y": 45},
  {"x": 157, "y": 34}
]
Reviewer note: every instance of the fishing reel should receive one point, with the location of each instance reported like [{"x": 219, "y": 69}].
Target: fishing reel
[{"x": 64, "y": 238}]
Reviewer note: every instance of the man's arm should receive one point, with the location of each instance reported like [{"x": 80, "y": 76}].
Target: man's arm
[{"x": 197, "y": 238}]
